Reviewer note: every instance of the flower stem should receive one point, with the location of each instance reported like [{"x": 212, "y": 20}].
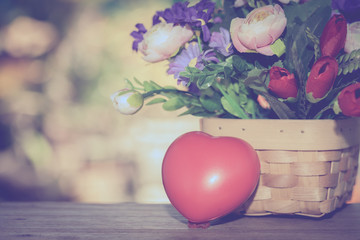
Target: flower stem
[
  {"x": 164, "y": 90},
  {"x": 199, "y": 42}
]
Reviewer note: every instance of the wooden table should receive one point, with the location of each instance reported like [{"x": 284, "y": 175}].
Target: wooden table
[{"x": 73, "y": 221}]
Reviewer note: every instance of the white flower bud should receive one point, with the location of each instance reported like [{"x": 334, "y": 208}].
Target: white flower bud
[{"x": 127, "y": 101}]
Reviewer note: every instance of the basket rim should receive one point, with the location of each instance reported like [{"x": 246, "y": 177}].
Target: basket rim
[{"x": 288, "y": 134}]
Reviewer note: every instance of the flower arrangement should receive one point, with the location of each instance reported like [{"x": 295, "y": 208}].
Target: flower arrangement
[{"x": 252, "y": 59}]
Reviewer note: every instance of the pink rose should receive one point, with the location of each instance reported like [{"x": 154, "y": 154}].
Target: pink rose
[
  {"x": 261, "y": 28},
  {"x": 353, "y": 37},
  {"x": 163, "y": 40}
]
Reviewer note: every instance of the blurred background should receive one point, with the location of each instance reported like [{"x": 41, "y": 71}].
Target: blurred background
[{"x": 60, "y": 137}]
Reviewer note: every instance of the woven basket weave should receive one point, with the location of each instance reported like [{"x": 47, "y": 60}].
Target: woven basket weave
[{"x": 308, "y": 167}]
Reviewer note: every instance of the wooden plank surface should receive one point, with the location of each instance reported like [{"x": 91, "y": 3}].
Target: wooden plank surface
[{"x": 73, "y": 221}]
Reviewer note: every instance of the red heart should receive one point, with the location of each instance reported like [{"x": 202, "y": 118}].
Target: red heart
[{"x": 208, "y": 177}]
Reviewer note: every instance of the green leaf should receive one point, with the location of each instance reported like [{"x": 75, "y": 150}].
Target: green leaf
[
  {"x": 280, "y": 108},
  {"x": 236, "y": 88},
  {"x": 227, "y": 72},
  {"x": 169, "y": 87},
  {"x": 173, "y": 104},
  {"x": 301, "y": 12},
  {"x": 252, "y": 3},
  {"x": 250, "y": 107},
  {"x": 349, "y": 62},
  {"x": 204, "y": 114},
  {"x": 205, "y": 81},
  {"x": 192, "y": 70},
  {"x": 233, "y": 109},
  {"x": 148, "y": 86},
  {"x": 129, "y": 83},
  {"x": 256, "y": 80},
  {"x": 228, "y": 107},
  {"x": 211, "y": 104},
  {"x": 185, "y": 74},
  {"x": 278, "y": 64},
  {"x": 316, "y": 42},
  {"x": 156, "y": 100},
  {"x": 215, "y": 67},
  {"x": 192, "y": 110},
  {"x": 278, "y": 47},
  {"x": 197, "y": 111},
  {"x": 138, "y": 81},
  {"x": 229, "y": 103},
  {"x": 155, "y": 85},
  {"x": 239, "y": 63}
]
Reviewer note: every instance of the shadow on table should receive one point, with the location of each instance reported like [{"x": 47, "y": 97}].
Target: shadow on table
[
  {"x": 235, "y": 216},
  {"x": 171, "y": 210},
  {"x": 176, "y": 215}
]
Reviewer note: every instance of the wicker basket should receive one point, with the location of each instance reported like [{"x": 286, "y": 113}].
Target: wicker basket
[{"x": 308, "y": 167}]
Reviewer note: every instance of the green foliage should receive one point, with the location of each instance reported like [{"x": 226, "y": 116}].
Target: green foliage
[
  {"x": 173, "y": 104},
  {"x": 309, "y": 17},
  {"x": 316, "y": 43},
  {"x": 212, "y": 103},
  {"x": 156, "y": 101},
  {"x": 305, "y": 25},
  {"x": 349, "y": 63}
]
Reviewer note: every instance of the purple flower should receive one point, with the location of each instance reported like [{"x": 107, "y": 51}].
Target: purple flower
[
  {"x": 196, "y": 16},
  {"x": 221, "y": 41},
  {"x": 179, "y": 13},
  {"x": 349, "y": 8},
  {"x": 138, "y": 35},
  {"x": 188, "y": 57},
  {"x": 191, "y": 56}
]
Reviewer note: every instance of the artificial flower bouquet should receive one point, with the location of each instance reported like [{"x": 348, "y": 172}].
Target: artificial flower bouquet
[{"x": 254, "y": 59}]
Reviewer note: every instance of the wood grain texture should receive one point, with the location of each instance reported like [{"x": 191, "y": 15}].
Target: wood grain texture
[{"x": 73, "y": 221}]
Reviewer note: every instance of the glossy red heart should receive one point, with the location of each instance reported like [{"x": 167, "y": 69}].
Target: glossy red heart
[{"x": 208, "y": 177}]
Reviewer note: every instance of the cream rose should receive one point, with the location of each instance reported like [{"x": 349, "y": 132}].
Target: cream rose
[
  {"x": 163, "y": 40},
  {"x": 261, "y": 28}
]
